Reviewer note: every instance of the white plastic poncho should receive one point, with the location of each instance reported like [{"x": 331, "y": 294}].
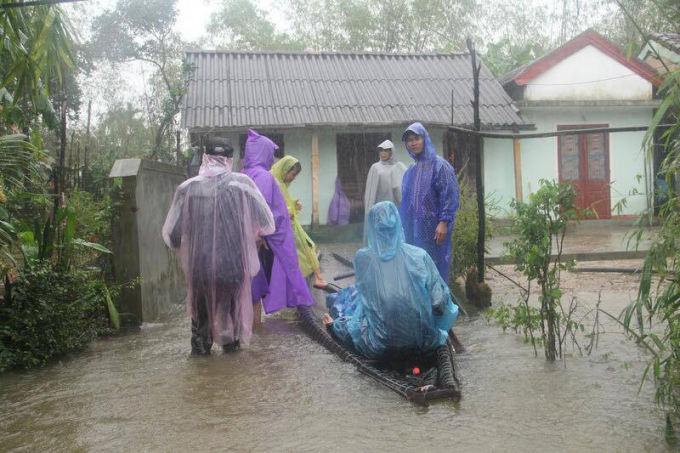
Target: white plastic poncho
[
  {"x": 213, "y": 223},
  {"x": 383, "y": 182}
]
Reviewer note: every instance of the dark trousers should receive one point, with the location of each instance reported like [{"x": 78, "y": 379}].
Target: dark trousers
[{"x": 201, "y": 332}]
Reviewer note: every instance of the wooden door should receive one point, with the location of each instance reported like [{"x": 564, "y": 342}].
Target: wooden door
[
  {"x": 356, "y": 153},
  {"x": 584, "y": 163}
]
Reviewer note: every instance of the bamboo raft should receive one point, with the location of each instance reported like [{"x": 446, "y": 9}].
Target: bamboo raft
[{"x": 438, "y": 382}]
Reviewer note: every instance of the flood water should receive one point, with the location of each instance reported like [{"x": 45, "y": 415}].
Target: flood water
[{"x": 142, "y": 392}]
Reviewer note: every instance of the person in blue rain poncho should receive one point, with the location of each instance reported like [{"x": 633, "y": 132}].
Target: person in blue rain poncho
[
  {"x": 400, "y": 306},
  {"x": 429, "y": 198}
]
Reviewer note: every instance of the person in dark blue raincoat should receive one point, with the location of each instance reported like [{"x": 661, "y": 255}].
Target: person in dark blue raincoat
[
  {"x": 400, "y": 306},
  {"x": 429, "y": 199}
]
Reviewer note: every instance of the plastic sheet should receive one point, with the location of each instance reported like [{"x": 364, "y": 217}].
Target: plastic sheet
[
  {"x": 400, "y": 304},
  {"x": 286, "y": 286},
  {"x": 213, "y": 224},
  {"x": 429, "y": 196},
  {"x": 339, "y": 209}
]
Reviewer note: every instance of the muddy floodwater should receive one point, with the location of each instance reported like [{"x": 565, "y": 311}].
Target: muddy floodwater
[{"x": 141, "y": 392}]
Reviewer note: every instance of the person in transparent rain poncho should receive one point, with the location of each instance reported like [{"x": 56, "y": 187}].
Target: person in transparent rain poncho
[
  {"x": 213, "y": 224},
  {"x": 429, "y": 200},
  {"x": 399, "y": 306},
  {"x": 384, "y": 179}
]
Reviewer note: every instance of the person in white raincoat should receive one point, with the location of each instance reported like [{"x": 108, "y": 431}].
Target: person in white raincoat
[
  {"x": 384, "y": 180},
  {"x": 213, "y": 224}
]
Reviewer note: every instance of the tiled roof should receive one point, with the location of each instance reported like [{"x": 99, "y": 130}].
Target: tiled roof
[
  {"x": 670, "y": 40},
  {"x": 242, "y": 89},
  {"x": 524, "y": 74}
]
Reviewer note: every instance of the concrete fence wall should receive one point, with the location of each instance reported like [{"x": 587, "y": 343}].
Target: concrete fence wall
[{"x": 139, "y": 250}]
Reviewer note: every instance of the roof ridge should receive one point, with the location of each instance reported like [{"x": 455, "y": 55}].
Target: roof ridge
[
  {"x": 325, "y": 53},
  {"x": 297, "y": 79}
]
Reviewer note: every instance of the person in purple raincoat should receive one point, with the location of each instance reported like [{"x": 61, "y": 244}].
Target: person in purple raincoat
[{"x": 279, "y": 283}]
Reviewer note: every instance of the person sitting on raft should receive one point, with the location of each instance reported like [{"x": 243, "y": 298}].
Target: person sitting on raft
[
  {"x": 285, "y": 171},
  {"x": 400, "y": 305}
]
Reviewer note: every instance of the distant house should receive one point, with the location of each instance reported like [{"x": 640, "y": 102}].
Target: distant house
[
  {"x": 662, "y": 52},
  {"x": 331, "y": 110},
  {"x": 589, "y": 82}
]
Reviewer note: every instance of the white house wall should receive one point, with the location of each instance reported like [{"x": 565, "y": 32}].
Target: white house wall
[
  {"x": 539, "y": 156},
  {"x": 298, "y": 143},
  {"x": 588, "y": 75}
]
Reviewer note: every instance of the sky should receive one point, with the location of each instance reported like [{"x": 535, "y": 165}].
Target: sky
[{"x": 193, "y": 16}]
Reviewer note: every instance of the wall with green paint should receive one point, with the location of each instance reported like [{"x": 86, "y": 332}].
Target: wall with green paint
[
  {"x": 298, "y": 143},
  {"x": 539, "y": 156}
]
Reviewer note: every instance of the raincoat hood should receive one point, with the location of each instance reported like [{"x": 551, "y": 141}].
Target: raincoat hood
[
  {"x": 385, "y": 146},
  {"x": 215, "y": 165},
  {"x": 259, "y": 151},
  {"x": 282, "y": 167},
  {"x": 385, "y": 234},
  {"x": 428, "y": 148}
]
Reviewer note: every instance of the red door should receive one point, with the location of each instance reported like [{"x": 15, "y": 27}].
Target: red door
[{"x": 584, "y": 163}]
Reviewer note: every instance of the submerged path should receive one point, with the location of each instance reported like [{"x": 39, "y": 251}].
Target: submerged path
[{"x": 141, "y": 391}]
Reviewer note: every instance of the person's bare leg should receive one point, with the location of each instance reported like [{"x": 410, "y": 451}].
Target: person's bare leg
[
  {"x": 327, "y": 319},
  {"x": 318, "y": 278},
  {"x": 257, "y": 314}
]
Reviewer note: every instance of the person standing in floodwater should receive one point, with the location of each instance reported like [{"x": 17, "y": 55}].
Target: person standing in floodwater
[
  {"x": 214, "y": 222},
  {"x": 429, "y": 199},
  {"x": 279, "y": 283},
  {"x": 384, "y": 180},
  {"x": 285, "y": 171}
]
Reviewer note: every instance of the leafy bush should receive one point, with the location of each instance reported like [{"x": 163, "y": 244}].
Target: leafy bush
[
  {"x": 49, "y": 313},
  {"x": 541, "y": 225},
  {"x": 465, "y": 230}
]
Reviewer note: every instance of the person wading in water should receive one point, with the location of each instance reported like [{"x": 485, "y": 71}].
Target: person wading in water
[
  {"x": 279, "y": 283},
  {"x": 429, "y": 199},
  {"x": 213, "y": 224}
]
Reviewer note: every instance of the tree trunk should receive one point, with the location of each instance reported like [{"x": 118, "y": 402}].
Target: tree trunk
[{"x": 479, "y": 141}]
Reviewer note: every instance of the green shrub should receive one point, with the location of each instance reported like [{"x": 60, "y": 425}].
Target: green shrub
[
  {"x": 48, "y": 314},
  {"x": 464, "y": 238}
]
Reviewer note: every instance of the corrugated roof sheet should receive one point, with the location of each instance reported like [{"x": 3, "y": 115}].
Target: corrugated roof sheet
[{"x": 270, "y": 89}]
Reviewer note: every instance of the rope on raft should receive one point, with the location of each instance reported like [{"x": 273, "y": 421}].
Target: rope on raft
[{"x": 448, "y": 382}]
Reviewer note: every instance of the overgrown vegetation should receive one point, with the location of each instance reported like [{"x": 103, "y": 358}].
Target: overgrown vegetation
[
  {"x": 653, "y": 319},
  {"x": 464, "y": 238},
  {"x": 541, "y": 226},
  {"x": 50, "y": 313},
  {"x": 49, "y": 230}
]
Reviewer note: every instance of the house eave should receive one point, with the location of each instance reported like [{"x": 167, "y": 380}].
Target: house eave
[
  {"x": 654, "y": 103},
  {"x": 277, "y": 127}
]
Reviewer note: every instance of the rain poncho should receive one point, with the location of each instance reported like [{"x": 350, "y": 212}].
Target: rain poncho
[
  {"x": 306, "y": 249},
  {"x": 401, "y": 305},
  {"x": 383, "y": 182},
  {"x": 287, "y": 286},
  {"x": 429, "y": 196},
  {"x": 339, "y": 209},
  {"x": 213, "y": 224}
]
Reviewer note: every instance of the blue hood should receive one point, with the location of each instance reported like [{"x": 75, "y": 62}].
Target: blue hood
[{"x": 428, "y": 149}]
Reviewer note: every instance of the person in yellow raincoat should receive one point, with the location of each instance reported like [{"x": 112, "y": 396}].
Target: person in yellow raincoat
[{"x": 285, "y": 171}]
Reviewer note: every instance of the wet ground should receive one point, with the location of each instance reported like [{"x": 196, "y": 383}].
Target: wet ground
[
  {"x": 141, "y": 392},
  {"x": 591, "y": 239}
]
